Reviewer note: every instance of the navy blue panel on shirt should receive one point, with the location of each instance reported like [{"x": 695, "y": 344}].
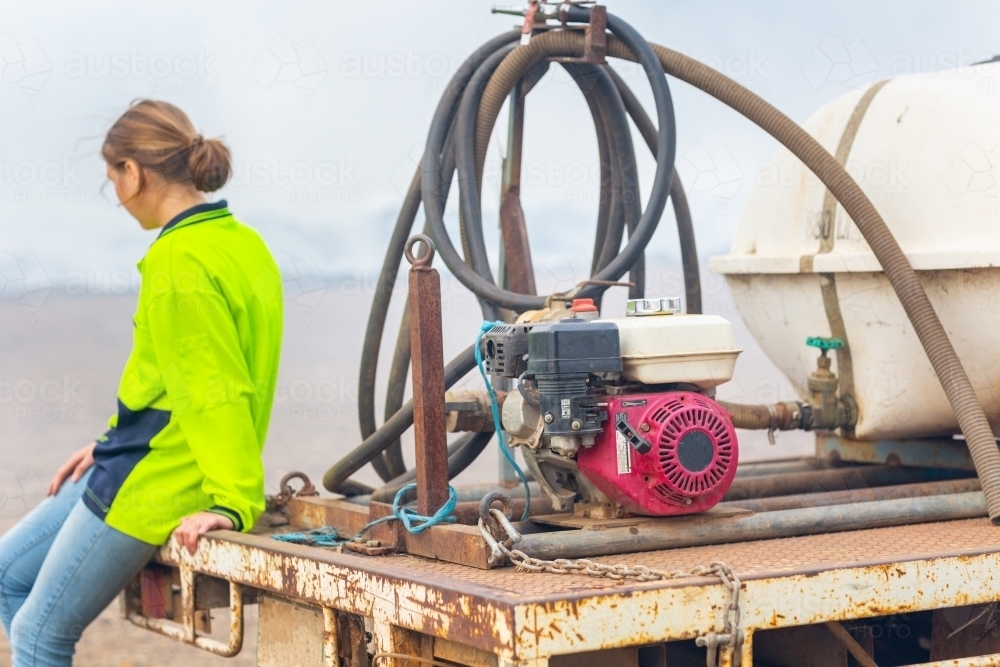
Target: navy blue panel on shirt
[
  {"x": 194, "y": 210},
  {"x": 117, "y": 455}
]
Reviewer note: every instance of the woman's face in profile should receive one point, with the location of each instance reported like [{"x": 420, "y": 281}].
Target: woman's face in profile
[{"x": 127, "y": 179}]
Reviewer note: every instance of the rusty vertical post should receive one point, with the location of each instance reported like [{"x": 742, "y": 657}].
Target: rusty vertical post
[
  {"x": 430, "y": 435},
  {"x": 516, "y": 271}
]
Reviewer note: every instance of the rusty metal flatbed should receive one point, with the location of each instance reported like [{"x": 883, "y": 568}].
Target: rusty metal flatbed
[{"x": 527, "y": 618}]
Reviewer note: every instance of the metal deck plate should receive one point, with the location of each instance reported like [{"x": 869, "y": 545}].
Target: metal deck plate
[
  {"x": 526, "y": 617},
  {"x": 750, "y": 560}
]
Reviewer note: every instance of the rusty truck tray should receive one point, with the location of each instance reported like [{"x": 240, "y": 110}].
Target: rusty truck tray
[{"x": 507, "y": 618}]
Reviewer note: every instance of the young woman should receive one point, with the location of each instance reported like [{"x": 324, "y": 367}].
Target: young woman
[{"x": 183, "y": 454}]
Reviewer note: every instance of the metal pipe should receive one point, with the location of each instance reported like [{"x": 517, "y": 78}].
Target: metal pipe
[
  {"x": 471, "y": 492},
  {"x": 694, "y": 531},
  {"x": 827, "y": 498},
  {"x": 835, "y": 479},
  {"x": 461, "y": 453},
  {"x": 755, "y": 468}
]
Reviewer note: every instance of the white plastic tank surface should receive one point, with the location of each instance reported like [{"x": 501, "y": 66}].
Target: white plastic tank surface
[{"x": 926, "y": 151}]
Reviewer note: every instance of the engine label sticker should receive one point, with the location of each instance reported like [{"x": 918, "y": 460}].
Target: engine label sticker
[
  {"x": 567, "y": 411},
  {"x": 634, "y": 403},
  {"x": 624, "y": 453}
]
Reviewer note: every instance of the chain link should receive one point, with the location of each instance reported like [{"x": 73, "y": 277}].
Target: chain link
[{"x": 730, "y": 639}]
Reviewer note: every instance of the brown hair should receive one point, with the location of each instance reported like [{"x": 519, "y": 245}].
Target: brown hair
[{"x": 161, "y": 138}]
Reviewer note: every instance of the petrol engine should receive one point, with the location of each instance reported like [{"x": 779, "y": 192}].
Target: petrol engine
[{"x": 615, "y": 417}]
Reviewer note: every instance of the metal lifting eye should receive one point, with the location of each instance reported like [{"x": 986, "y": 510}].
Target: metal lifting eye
[{"x": 425, "y": 258}]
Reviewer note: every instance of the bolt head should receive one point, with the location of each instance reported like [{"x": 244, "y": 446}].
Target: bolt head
[
  {"x": 548, "y": 418},
  {"x": 576, "y": 425},
  {"x": 644, "y": 427}
]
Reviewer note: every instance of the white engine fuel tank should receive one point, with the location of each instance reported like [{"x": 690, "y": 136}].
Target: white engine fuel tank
[
  {"x": 700, "y": 350},
  {"x": 926, "y": 150}
]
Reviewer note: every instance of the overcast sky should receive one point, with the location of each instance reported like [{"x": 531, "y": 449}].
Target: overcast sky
[{"x": 326, "y": 107}]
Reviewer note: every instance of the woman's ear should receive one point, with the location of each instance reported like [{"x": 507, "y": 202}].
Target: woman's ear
[
  {"x": 127, "y": 178},
  {"x": 132, "y": 173}
]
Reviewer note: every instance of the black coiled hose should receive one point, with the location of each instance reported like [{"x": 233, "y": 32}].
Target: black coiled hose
[
  {"x": 457, "y": 140},
  {"x": 444, "y": 155}
]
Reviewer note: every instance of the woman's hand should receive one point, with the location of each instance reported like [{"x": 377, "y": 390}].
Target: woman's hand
[
  {"x": 79, "y": 463},
  {"x": 194, "y": 526}
]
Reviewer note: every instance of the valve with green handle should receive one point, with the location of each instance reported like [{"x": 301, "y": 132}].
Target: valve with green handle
[
  {"x": 828, "y": 410},
  {"x": 825, "y": 344}
]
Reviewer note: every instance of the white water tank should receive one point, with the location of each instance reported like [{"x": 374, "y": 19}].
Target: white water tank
[{"x": 925, "y": 148}]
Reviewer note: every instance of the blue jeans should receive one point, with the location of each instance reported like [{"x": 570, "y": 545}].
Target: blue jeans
[{"x": 60, "y": 566}]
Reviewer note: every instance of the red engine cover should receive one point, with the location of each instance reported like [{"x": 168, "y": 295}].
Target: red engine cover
[{"x": 690, "y": 458}]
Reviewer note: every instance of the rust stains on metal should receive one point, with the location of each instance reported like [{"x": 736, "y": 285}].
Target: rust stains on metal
[
  {"x": 523, "y": 617},
  {"x": 186, "y": 630},
  {"x": 517, "y": 273},
  {"x": 427, "y": 360},
  {"x": 341, "y": 582}
]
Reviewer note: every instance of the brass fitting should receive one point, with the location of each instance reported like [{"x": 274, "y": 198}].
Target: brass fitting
[{"x": 828, "y": 410}]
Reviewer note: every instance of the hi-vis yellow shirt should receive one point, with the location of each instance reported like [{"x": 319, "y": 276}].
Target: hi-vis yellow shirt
[{"x": 196, "y": 394}]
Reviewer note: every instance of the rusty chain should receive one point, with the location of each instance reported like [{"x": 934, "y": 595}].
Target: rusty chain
[{"x": 730, "y": 639}]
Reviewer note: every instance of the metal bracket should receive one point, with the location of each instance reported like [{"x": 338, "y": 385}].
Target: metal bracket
[
  {"x": 185, "y": 631},
  {"x": 595, "y": 45}
]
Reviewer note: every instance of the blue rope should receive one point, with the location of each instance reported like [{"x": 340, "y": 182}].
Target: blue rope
[
  {"x": 327, "y": 536},
  {"x": 417, "y": 523},
  {"x": 497, "y": 425}
]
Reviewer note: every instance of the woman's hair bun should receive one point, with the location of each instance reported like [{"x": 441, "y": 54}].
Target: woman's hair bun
[{"x": 210, "y": 164}]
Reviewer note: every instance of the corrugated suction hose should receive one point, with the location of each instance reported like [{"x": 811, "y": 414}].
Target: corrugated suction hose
[{"x": 902, "y": 277}]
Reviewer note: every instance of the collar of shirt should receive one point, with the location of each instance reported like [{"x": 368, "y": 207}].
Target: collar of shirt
[{"x": 199, "y": 213}]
